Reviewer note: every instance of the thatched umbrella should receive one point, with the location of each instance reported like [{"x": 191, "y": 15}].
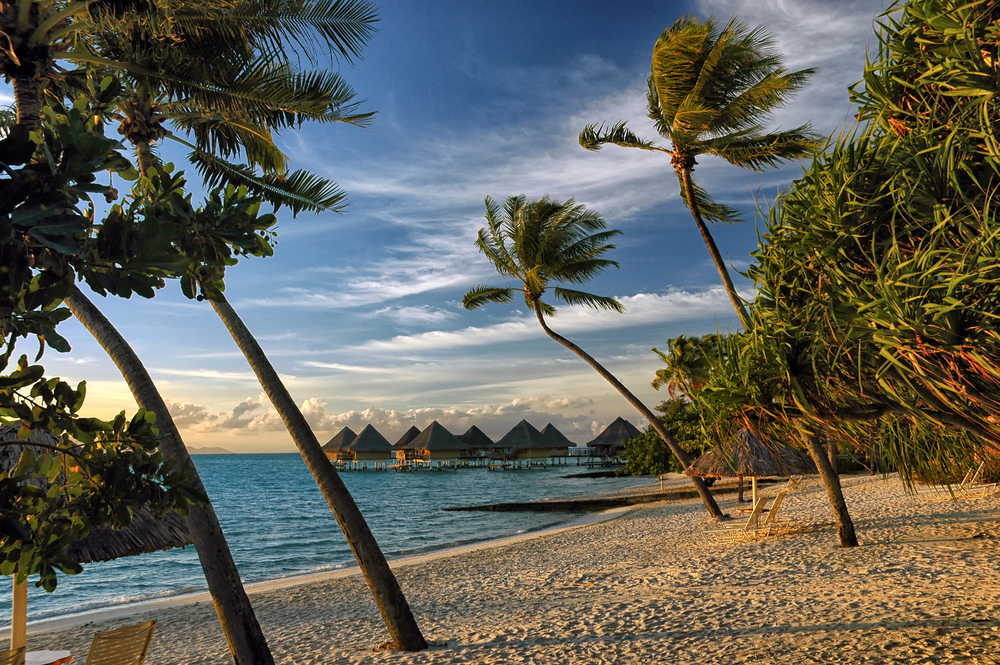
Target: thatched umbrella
[
  {"x": 744, "y": 455},
  {"x": 144, "y": 533}
]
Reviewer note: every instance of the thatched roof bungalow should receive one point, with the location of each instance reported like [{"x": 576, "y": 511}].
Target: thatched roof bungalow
[
  {"x": 335, "y": 447},
  {"x": 477, "y": 444},
  {"x": 437, "y": 443},
  {"x": 523, "y": 441},
  {"x": 609, "y": 443},
  {"x": 369, "y": 445},
  {"x": 559, "y": 445}
]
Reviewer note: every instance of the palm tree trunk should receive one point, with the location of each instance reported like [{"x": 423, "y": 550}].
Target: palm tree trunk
[
  {"x": 144, "y": 151},
  {"x": 239, "y": 623},
  {"x": 389, "y": 597},
  {"x": 27, "y": 99},
  {"x": 706, "y": 235},
  {"x": 834, "y": 492},
  {"x": 680, "y": 453}
]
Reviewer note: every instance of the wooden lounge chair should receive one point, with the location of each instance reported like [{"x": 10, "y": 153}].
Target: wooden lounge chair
[
  {"x": 12, "y": 657},
  {"x": 751, "y": 530},
  {"x": 971, "y": 487},
  {"x": 773, "y": 523},
  {"x": 122, "y": 646}
]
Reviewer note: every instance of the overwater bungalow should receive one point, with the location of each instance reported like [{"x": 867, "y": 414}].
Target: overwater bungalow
[
  {"x": 437, "y": 447},
  {"x": 334, "y": 448},
  {"x": 523, "y": 442},
  {"x": 477, "y": 444},
  {"x": 609, "y": 444},
  {"x": 369, "y": 450},
  {"x": 559, "y": 445}
]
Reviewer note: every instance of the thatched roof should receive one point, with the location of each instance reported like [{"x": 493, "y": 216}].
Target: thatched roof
[
  {"x": 556, "y": 438},
  {"x": 746, "y": 455},
  {"x": 408, "y": 435},
  {"x": 436, "y": 437},
  {"x": 340, "y": 440},
  {"x": 144, "y": 533},
  {"x": 615, "y": 434},
  {"x": 370, "y": 441},
  {"x": 522, "y": 436},
  {"x": 475, "y": 438}
]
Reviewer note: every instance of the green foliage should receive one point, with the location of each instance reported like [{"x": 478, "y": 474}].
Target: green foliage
[
  {"x": 539, "y": 242},
  {"x": 90, "y": 473},
  {"x": 689, "y": 362},
  {"x": 649, "y": 455},
  {"x": 879, "y": 275}
]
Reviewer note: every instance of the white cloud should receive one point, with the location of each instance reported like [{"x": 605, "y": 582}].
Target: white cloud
[
  {"x": 640, "y": 309},
  {"x": 419, "y": 315}
]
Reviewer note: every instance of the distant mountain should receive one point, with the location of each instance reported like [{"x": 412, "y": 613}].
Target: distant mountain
[{"x": 210, "y": 450}]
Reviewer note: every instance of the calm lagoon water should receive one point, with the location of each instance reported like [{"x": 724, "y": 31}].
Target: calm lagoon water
[{"x": 278, "y": 525}]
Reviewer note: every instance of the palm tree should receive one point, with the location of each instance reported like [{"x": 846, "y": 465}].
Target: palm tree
[
  {"x": 709, "y": 92},
  {"x": 233, "y": 108},
  {"x": 539, "y": 242},
  {"x": 688, "y": 365}
]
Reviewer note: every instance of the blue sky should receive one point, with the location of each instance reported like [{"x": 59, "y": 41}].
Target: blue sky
[{"x": 360, "y": 313}]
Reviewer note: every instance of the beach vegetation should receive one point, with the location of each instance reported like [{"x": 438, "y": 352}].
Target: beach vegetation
[
  {"x": 711, "y": 89},
  {"x": 878, "y": 277},
  {"x": 545, "y": 245},
  {"x": 648, "y": 455}
]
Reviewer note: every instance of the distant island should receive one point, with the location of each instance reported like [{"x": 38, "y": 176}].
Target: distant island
[{"x": 210, "y": 450}]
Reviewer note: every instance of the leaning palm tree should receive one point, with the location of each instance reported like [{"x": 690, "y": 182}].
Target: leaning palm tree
[
  {"x": 709, "y": 92},
  {"x": 232, "y": 107},
  {"x": 540, "y": 242}
]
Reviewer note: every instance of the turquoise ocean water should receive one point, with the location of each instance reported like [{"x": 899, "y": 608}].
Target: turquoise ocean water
[{"x": 278, "y": 525}]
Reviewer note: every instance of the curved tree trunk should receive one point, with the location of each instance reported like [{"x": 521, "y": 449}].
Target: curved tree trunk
[
  {"x": 834, "y": 492},
  {"x": 713, "y": 249},
  {"x": 389, "y": 597},
  {"x": 239, "y": 623},
  {"x": 680, "y": 453}
]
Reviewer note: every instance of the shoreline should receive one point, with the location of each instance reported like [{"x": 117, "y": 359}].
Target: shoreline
[
  {"x": 86, "y": 617},
  {"x": 639, "y": 585}
]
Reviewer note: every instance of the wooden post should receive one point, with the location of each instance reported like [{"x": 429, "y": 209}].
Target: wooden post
[{"x": 19, "y": 615}]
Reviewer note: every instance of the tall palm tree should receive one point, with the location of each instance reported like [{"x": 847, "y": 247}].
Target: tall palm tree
[
  {"x": 541, "y": 242},
  {"x": 709, "y": 92},
  {"x": 232, "y": 108}
]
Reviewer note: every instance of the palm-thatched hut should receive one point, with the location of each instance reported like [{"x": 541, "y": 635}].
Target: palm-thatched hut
[
  {"x": 745, "y": 455},
  {"x": 609, "y": 443},
  {"x": 559, "y": 445},
  {"x": 525, "y": 442},
  {"x": 335, "y": 447},
  {"x": 369, "y": 446},
  {"x": 437, "y": 444},
  {"x": 402, "y": 447},
  {"x": 477, "y": 444}
]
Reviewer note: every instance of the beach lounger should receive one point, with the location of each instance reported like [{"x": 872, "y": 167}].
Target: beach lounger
[
  {"x": 122, "y": 646},
  {"x": 751, "y": 530},
  {"x": 12, "y": 657},
  {"x": 971, "y": 487},
  {"x": 773, "y": 522}
]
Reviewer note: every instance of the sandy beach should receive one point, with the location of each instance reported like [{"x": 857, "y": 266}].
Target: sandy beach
[{"x": 640, "y": 585}]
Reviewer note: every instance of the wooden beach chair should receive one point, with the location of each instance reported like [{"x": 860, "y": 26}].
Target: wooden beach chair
[
  {"x": 122, "y": 646},
  {"x": 773, "y": 523},
  {"x": 971, "y": 487},
  {"x": 12, "y": 657},
  {"x": 751, "y": 530}
]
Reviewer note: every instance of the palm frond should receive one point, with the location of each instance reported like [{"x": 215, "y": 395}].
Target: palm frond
[
  {"x": 593, "y": 137},
  {"x": 753, "y": 151},
  {"x": 572, "y": 297},
  {"x": 711, "y": 211},
  {"x": 482, "y": 295}
]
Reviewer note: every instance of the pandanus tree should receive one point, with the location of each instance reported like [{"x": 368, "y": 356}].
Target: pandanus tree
[
  {"x": 544, "y": 243},
  {"x": 710, "y": 90},
  {"x": 879, "y": 275},
  {"x": 688, "y": 364}
]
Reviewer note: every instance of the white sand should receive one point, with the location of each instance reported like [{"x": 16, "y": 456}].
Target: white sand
[{"x": 643, "y": 587}]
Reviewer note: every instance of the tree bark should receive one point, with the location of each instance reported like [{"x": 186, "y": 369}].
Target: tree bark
[
  {"x": 834, "y": 492},
  {"x": 239, "y": 623},
  {"x": 389, "y": 597},
  {"x": 713, "y": 249},
  {"x": 680, "y": 453}
]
